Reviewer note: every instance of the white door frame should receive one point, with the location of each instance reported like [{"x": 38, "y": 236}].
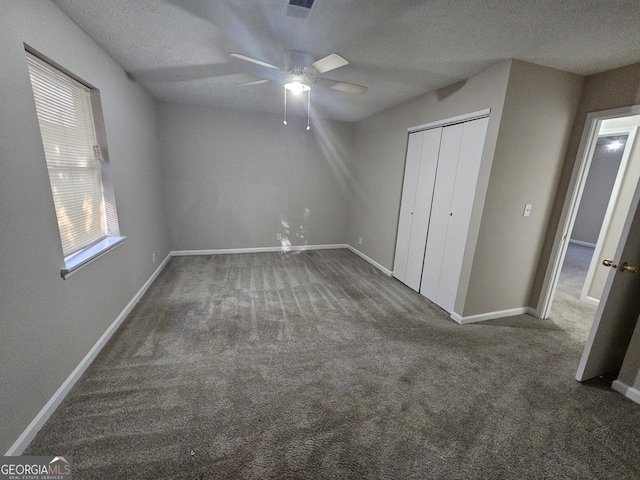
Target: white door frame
[
  {"x": 572, "y": 202},
  {"x": 631, "y": 136}
]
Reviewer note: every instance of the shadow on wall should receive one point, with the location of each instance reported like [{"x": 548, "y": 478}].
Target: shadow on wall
[
  {"x": 445, "y": 92},
  {"x": 336, "y": 153}
]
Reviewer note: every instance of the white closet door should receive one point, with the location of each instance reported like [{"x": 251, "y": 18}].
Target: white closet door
[
  {"x": 471, "y": 147},
  {"x": 422, "y": 208},
  {"x": 441, "y": 211},
  {"x": 457, "y": 177},
  {"x": 405, "y": 222},
  {"x": 415, "y": 207}
]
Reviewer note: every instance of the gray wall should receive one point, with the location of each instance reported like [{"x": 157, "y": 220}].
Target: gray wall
[
  {"x": 532, "y": 111},
  {"x": 379, "y": 155},
  {"x": 596, "y": 195},
  {"x": 235, "y": 179},
  {"x": 47, "y": 325},
  {"x": 604, "y": 91},
  {"x": 537, "y": 119}
]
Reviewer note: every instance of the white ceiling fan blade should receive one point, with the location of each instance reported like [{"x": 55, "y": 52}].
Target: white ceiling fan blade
[
  {"x": 252, "y": 82},
  {"x": 342, "y": 86},
  {"x": 253, "y": 60},
  {"x": 328, "y": 63}
]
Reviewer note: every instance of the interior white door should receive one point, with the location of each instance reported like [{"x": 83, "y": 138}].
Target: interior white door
[
  {"x": 407, "y": 204},
  {"x": 613, "y": 223},
  {"x": 441, "y": 212},
  {"x": 471, "y": 146},
  {"x": 457, "y": 177},
  {"x": 619, "y": 307},
  {"x": 415, "y": 206},
  {"x": 422, "y": 210}
]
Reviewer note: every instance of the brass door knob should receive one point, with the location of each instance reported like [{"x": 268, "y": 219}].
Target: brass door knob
[
  {"x": 609, "y": 263},
  {"x": 625, "y": 267}
]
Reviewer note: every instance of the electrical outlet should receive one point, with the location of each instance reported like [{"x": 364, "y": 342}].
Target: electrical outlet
[
  {"x": 153, "y": 257},
  {"x": 278, "y": 236},
  {"x": 359, "y": 240}
]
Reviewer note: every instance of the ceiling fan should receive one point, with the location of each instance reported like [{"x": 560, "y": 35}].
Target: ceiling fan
[{"x": 301, "y": 71}]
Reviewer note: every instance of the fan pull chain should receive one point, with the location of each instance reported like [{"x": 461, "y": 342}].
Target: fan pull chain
[
  {"x": 308, "y": 107},
  {"x": 285, "y": 106}
]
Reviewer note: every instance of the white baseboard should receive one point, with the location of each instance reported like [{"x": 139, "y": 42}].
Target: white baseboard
[
  {"x": 590, "y": 300},
  {"x": 584, "y": 244},
  {"x": 492, "y": 315},
  {"x": 291, "y": 248},
  {"x": 40, "y": 419},
  {"x": 384, "y": 270},
  {"x": 629, "y": 392},
  {"x": 283, "y": 248}
]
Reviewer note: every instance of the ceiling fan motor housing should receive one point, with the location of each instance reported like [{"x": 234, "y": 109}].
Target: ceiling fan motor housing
[{"x": 296, "y": 60}]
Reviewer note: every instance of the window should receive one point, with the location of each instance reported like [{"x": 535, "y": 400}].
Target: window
[{"x": 78, "y": 172}]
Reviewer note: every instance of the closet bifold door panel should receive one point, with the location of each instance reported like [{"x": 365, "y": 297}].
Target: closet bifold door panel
[
  {"x": 415, "y": 206},
  {"x": 455, "y": 187},
  {"x": 441, "y": 213},
  {"x": 407, "y": 202}
]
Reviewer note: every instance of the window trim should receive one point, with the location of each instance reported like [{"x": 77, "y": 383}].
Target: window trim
[{"x": 79, "y": 259}]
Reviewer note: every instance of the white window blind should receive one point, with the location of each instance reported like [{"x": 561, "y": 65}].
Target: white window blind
[{"x": 73, "y": 158}]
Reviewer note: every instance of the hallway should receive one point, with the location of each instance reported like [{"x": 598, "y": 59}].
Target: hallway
[{"x": 568, "y": 311}]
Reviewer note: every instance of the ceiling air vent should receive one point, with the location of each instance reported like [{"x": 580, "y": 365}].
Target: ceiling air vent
[
  {"x": 299, "y": 8},
  {"x": 301, "y": 3}
]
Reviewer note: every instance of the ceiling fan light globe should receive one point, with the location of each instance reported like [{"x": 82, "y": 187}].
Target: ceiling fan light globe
[{"x": 297, "y": 88}]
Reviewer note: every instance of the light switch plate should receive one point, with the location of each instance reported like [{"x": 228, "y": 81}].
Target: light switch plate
[{"x": 527, "y": 210}]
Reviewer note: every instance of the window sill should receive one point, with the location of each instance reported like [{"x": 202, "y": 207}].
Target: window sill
[{"x": 76, "y": 262}]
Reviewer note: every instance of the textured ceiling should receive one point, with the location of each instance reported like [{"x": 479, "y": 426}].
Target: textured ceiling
[{"x": 178, "y": 49}]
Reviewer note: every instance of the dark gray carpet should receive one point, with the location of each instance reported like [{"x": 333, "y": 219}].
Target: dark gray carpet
[{"x": 315, "y": 365}]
